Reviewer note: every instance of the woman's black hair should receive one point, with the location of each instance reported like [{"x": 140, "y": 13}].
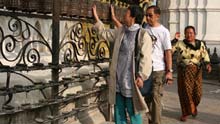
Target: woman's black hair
[
  {"x": 137, "y": 13},
  {"x": 190, "y": 27}
]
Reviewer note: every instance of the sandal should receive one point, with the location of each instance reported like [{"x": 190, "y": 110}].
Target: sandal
[
  {"x": 183, "y": 118},
  {"x": 195, "y": 113}
]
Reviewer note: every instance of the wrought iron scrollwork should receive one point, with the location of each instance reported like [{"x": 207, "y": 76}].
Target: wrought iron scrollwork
[
  {"x": 16, "y": 47},
  {"x": 102, "y": 50},
  {"x": 76, "y": 42},
  {"x": 97, "y": 47},
  {"x": 85, "y": 44},
  {"x": 9, "y": 91},
  {"x": 80, "y": 46},
  {"x": 22, "y": 32}
]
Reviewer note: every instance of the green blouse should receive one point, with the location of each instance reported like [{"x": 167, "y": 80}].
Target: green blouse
[{"x": 191, "y": 54}]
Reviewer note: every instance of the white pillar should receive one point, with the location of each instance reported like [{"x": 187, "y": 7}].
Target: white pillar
[
  {"x": 204, "y": 15},
  {"x": 201, "y": 19},
  {"x": 184, "y": 17},
  {"x": 213, "y": 17},
  {"x": 164, "y": 19},
  {"x": 192, "y": 13},
  {"x": 174, "y": 17}
]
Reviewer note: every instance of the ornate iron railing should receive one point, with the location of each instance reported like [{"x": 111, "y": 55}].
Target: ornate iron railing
[
  {"x": 21, "y": 32},
  {"x": 84, "y": 44},
  {"x": 79, "y": 47}
]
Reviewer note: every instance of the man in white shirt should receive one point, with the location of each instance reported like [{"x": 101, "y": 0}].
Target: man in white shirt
[{"x": 162, "y": 62}]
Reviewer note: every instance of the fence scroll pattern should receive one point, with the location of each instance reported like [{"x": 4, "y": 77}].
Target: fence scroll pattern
[{"x": 80, "y": 46}]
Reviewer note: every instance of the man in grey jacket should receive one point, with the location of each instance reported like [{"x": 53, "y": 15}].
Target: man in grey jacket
[{"x": 124, "y": 80}]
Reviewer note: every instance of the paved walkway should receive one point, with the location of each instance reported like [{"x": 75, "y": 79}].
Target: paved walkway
[{"x": 208, "y": 110}]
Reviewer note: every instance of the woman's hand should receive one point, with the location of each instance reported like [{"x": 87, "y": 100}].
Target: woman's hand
[
  {"x": 114, "y": 19},
  {"x": 177, "y": 35},
  {"x": 95, "y": 13},
  {"x": 208, "y": 68},
  {"x": 139, "y": 82},
  {"x": 112, "y": 12}
]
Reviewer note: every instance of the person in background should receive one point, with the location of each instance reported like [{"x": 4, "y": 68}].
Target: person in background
[
  {"x": 162, "y": 62},
  {"x": 125, "y": 80},
  {"x": 191, "y": 55},
  {"x": 176, "y": 38}
]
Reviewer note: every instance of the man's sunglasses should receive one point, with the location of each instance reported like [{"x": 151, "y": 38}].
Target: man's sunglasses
[{"x": 149, "y": 15}]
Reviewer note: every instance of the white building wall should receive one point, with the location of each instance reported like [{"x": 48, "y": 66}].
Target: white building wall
[{"x": 204, "y": 15}]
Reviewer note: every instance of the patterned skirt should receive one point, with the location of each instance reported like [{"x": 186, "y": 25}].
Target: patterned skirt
[{"x": 189, "y": 88}]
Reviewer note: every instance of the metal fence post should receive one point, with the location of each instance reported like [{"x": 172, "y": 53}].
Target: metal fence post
[{"x": 55, "y": 52}]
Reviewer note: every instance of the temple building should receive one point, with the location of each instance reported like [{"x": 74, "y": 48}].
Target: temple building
[{"x": 204, "y": 15}]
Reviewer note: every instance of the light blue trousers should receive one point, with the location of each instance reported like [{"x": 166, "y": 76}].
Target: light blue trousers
[{"x": 123, "y": 105}]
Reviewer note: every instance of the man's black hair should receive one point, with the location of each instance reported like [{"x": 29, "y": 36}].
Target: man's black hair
[
  {"x": 137, "y": 13},
  {"x": 156, "y": 9}
]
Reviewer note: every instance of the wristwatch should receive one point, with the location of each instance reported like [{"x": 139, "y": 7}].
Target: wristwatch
[{"x": 170, "y": 70}]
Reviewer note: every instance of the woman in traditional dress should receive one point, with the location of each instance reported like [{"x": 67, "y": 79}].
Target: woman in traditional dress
[{"x": 191, "y": 56}]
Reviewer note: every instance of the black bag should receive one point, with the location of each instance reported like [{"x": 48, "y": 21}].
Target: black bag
[{"x": 147, "y": 88}]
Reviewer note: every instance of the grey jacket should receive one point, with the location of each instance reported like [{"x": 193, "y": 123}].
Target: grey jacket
[{"x": 145, "y": 67}]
